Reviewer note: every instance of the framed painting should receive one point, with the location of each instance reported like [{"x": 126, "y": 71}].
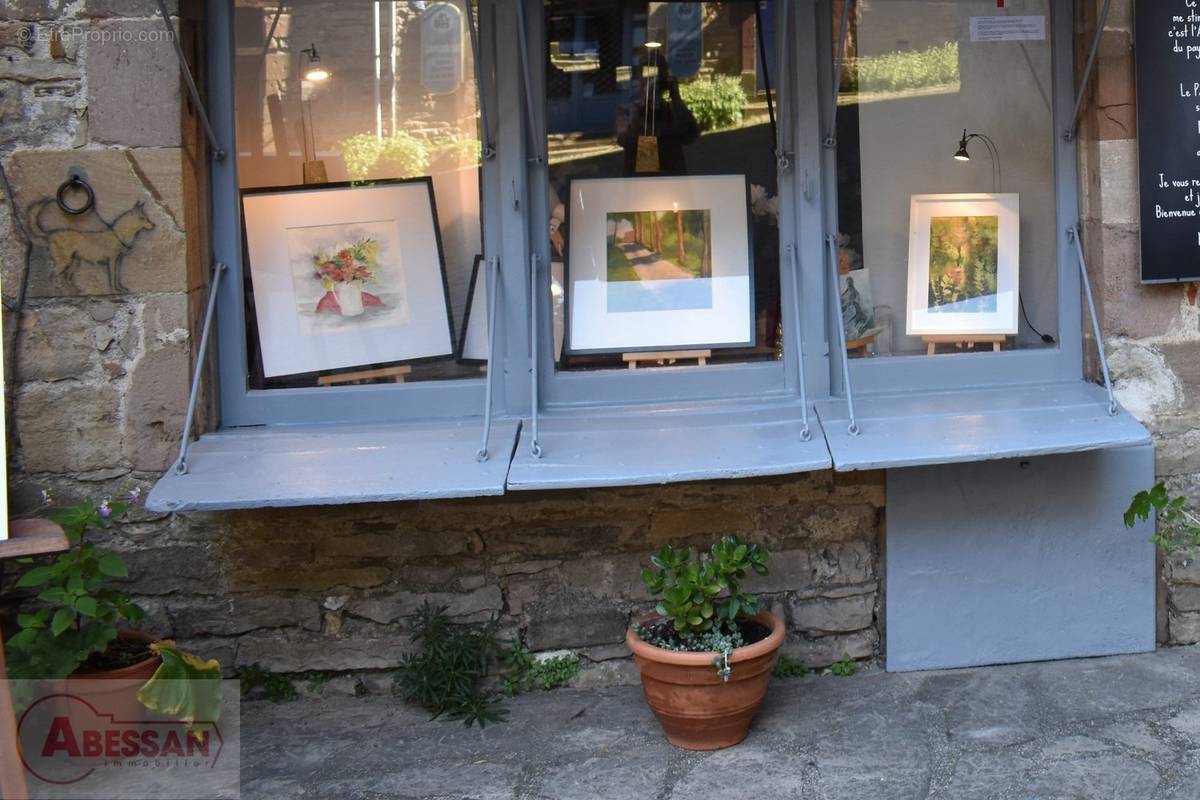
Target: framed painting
[
  {"x": 963, "y": 264},
  {"x": 858, "y": 305},
  {"x": 659, "y": 263},
  {"x": 347, "y": 275},
  {"x": 473, "y": 339}
]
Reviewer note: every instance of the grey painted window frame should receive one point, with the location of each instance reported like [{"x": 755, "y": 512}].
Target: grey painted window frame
[
  {"x": 1055, "y": 364},
  {"x": 775, "y": 380},
  {"x": 241, "y": 406},
  {"x": 515, "y": 222}
]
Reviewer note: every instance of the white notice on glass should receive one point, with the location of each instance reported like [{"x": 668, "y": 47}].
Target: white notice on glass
[{"x": 1008, "y": 29}]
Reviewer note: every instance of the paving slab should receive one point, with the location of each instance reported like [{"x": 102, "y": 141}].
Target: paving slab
[{"x": 1121, "y": 727}]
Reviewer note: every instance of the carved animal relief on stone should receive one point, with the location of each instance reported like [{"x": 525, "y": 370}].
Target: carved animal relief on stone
[{"x": 87, "y": 240}]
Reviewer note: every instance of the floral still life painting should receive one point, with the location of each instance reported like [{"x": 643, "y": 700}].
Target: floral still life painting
[{"x": 347, "y": 275}]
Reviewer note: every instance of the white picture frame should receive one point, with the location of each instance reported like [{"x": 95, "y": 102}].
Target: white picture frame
[
  {"x": 972, "y": 292},
  {"x": 623, "y": 296},
  {"x": 398, "y": 312}
]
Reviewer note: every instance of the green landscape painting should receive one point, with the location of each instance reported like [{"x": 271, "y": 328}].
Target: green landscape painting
[
  {"x": 963, "y": 264},
  {"x": 659, "y": 245}
]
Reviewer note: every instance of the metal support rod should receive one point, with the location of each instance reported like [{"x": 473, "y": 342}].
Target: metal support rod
[
  {"x": 1074, "y": 235},
  {"x": 493, "y": 284},
  {"x": 185, "y": 442},
  {"x": 783, "y": 158},
  {"x": 487, "y": 149},
  {"x": 527, "y": 80},
  {"x": 218, "y": 151},
  {"x": 1069, "y": 135},
  {"x": 535, "y": 347},
  {"x": 797, "y": 320},
  {"x": 831, "y": 241},
  {"x": 839, "y": 62}
]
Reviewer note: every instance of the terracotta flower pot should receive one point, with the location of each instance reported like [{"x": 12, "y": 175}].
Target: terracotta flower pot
[
  {"x": 114, "y": 691},
  {"x": 698, "y": 710}
]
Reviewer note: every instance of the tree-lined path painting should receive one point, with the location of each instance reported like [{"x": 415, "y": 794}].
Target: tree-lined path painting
[{"x": 647, "y": 247}]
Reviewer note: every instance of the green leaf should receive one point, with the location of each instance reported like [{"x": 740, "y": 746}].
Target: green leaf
[
  {"x": 184, "y": 687},
  {"x": 112, "y": 566},
  {"x": 63, "y": 619},
  {"x": 30, "y": 621},
  {"x": 86, "y": 606},
  {"x": 57, "y": 596},
  {"x": 36, "y": 577}
]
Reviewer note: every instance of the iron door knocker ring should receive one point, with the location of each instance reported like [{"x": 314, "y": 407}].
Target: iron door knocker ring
[{"x": 75, "y": 183}]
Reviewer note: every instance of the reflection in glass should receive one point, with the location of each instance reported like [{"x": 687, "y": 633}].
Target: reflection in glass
[
  {"x": 362, "y": 90},
  {"x": 927, "y": 114},
  {"x": 641, "y": 89}
]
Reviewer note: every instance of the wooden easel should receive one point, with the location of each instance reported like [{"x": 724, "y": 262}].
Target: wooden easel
[
  {"x": 666, "y": 358},
  {"x": 963, "y": 342},
  {"x": 28, "y": 537},
  {"x": 860, "y": 347},
  {"x": 398, "y": 374}
]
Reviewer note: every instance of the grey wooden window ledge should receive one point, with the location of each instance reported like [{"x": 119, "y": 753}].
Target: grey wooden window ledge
[
  {"x": 334, "y": 464},
  {"x": 977, "y": 424},
  {"x": 667, "y": 444}
]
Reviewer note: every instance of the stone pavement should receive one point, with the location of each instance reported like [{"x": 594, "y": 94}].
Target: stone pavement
[{"x": 1119, "y": 728}]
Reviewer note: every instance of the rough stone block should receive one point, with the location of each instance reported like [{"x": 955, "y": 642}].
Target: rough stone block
[
  {"x": 57, "y": 342},
  {"x": 138, "y": 192},
  {"x": 127, "y": 8},
  {"x": 390, "y": 607},
  {"x": 240, "y": 613},
  {"x": 33, "y": 9},
  {"x": 293, "y": 651},
  {"x": 1183, "y": 627},
  {"x": 155, "y": 406},
  {"x": 133, "y": 84},
  {"x": 573, "y": 622},
  {"x": 1118, "y": 181},
  {"x": 833, "y": 615},
  {"x": 170, "y": 568},
  {"x": 826, "y": 650},
  {"x": 68, "y": 428}
]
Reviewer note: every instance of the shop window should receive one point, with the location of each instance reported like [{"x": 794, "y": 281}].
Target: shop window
[
  {"x": 358, "y": 161},
  {"x": 663, "y": 196},
  {"x": 948, "y": 236}
]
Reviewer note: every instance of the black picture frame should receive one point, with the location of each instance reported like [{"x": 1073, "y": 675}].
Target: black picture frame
[{"x": 253, "y": 334}]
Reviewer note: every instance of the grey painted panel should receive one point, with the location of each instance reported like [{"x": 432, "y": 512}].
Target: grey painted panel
[
  {"x": 915, "y": 429},
  {"x": 1006, "y": 561},
  {"x": 302, "y": 465},
  {"x": 668, "y": 445}
]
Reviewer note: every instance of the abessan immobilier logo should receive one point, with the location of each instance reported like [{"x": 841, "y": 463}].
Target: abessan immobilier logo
[{"x": 87, "y": 738}]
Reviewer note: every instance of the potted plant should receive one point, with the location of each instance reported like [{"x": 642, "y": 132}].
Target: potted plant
[
  {"x": 706, "y": 656},
  {"x": 79, "y": 630}
]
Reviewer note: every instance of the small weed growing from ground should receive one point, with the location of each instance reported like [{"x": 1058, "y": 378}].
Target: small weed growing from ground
[
  {"x": 524, "y": 672},
  {"x": 844, "y": 668},
  {"x": 789, "y": 667},
  {"x": 315, "y": 681},
  {"x": 276, "y": 686}
]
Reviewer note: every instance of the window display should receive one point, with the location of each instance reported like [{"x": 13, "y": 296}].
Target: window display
[
  {"x": 946, "y": 174},
  {"x": 663, "y": 194},
  {"x": 334, "y": 93}
]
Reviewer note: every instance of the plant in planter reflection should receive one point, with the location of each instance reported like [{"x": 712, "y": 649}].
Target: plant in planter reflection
[
  {"x": 342, "y": 272},
  {"x": 400, "y": 155},
  {"x": 1177, "y": 526},
  {"x": 706, "y": 657},
  {"x": 79, "y": 630}
]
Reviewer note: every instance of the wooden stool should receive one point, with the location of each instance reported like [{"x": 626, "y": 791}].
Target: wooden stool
[
  {"x": 664, "y": 358},
  {"x": 963, "y": 342},
  {"x": 29, "y": 537}
]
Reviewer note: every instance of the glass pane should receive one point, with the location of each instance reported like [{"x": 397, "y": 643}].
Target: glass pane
[
  {"x": 664, "y": 207},
  {"x": 946, "y": 177},
  {"x": 344, "y": 95}
]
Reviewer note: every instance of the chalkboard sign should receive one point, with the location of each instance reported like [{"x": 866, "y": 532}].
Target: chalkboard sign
[{"x": 1167, "y": 49}]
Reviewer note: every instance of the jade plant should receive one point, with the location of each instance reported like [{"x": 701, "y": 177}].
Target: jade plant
[
  {"x": 1177, "y": 526},
  {"x": 701, "y": 601},
  {"x": 79, "y": 612}
]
